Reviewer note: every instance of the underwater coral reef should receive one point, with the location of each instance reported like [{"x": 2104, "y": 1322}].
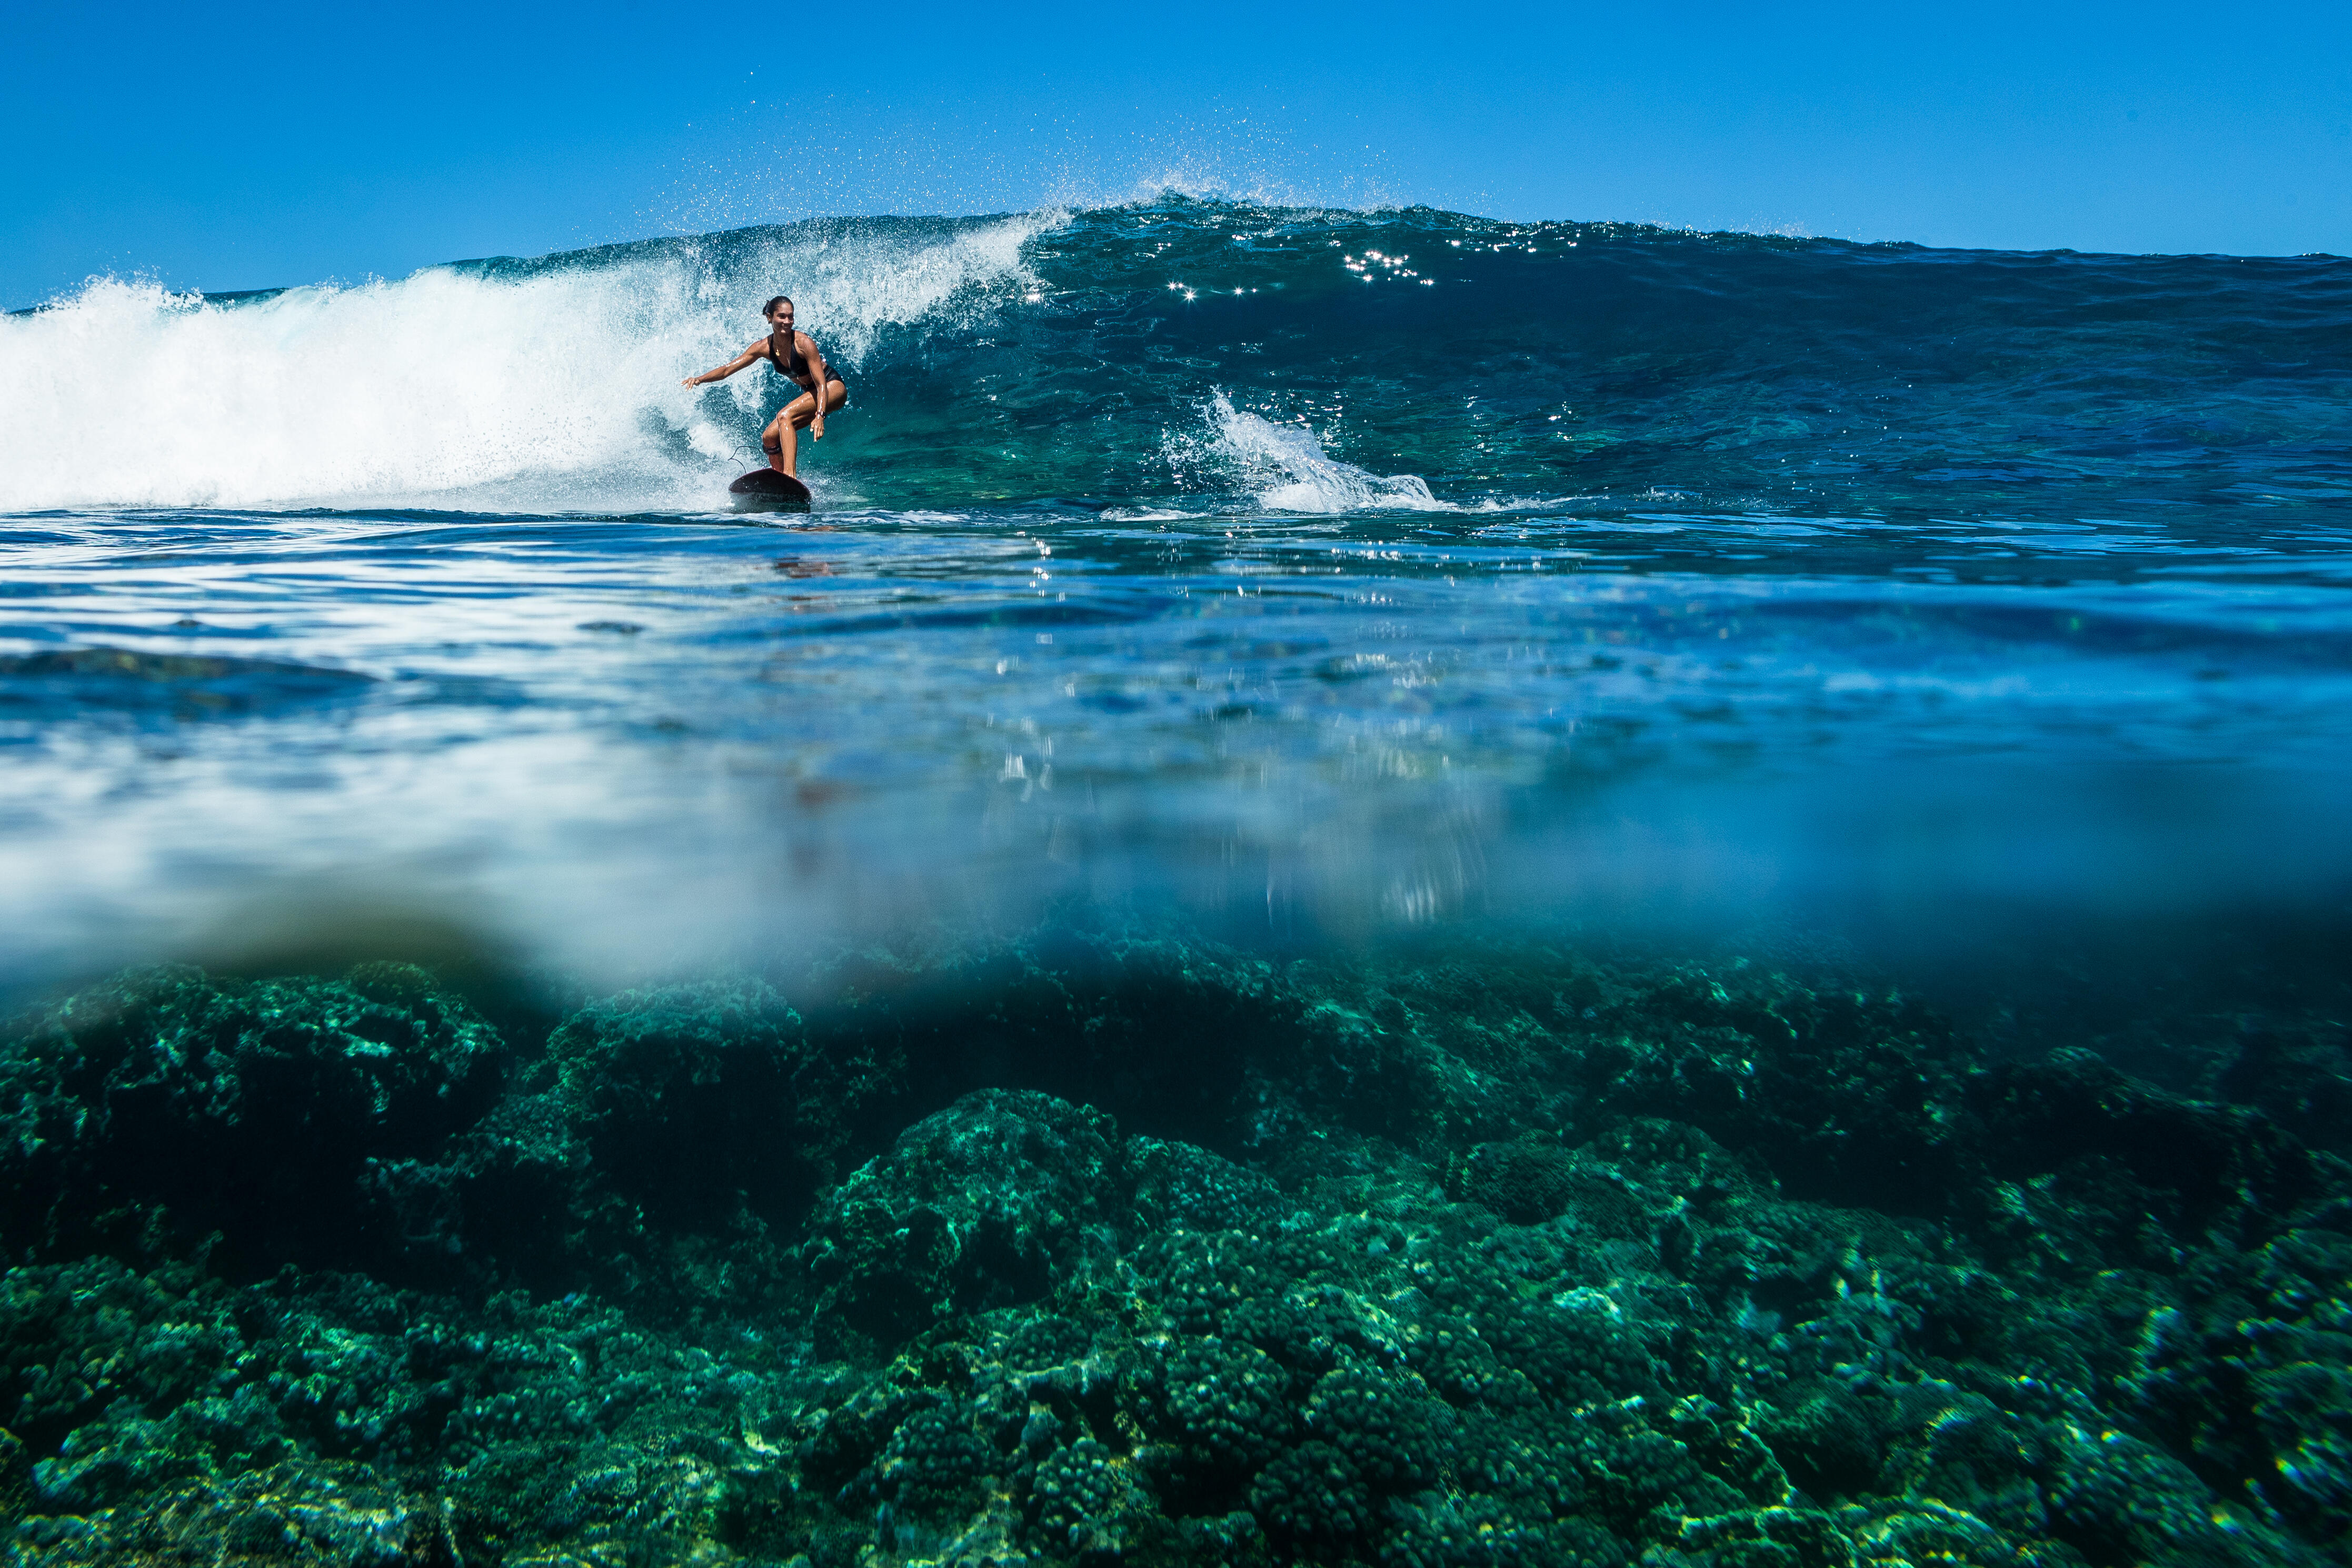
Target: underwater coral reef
[{"x": 1091, "y": 1250}]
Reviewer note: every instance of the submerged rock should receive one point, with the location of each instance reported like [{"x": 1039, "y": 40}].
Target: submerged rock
[
  {"x": 166, "y": 1107},
  {"x": 982, "y": 1205}
]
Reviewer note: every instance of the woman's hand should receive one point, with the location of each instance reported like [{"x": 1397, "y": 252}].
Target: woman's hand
[
  {"x": 816, "y": 428},
  {"x": 691, "y": 381}
]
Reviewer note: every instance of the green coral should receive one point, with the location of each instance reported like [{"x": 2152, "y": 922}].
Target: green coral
[
  {"x": 1227, "y": 1406},
  {"x": 1092, "y": 1248},
  {"x": 1083, "y": 1497}
]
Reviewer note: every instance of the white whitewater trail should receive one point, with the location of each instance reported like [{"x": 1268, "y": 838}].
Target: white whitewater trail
[
  {"x": 556, "y": 390},
  {"x": 1285, "y": 467}
]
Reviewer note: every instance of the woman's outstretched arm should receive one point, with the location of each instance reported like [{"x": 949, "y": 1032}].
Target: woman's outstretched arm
[{"x": 723, "y": 372}]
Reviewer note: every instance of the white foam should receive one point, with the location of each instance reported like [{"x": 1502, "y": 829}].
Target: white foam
[
  {"x": 1149, "y": 515},
  {"x": 1285, "y": 467},
  {"x": 553, "y": 392}
]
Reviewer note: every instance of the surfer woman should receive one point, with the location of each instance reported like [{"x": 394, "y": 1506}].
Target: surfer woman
[{"x": 797, "y": 359}]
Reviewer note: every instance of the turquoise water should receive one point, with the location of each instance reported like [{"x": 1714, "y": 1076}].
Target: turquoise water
[{"x": 1393, "y": 705}]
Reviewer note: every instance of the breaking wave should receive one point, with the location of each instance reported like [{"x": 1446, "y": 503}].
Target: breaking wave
[{"x": 1206, "y": 355}]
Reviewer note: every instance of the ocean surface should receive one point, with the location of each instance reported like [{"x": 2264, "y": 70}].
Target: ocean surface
[{"x": 1219, "y": 621}]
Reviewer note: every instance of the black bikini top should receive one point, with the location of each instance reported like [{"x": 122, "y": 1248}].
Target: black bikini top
[{"x": 798, "y": 370}]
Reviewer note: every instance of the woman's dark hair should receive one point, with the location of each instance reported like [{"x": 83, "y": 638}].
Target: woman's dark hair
[{"x": 770, "y": 307}]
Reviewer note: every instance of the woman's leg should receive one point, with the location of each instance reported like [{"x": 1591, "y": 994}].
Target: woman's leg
[{"x": 780, "y": 441}]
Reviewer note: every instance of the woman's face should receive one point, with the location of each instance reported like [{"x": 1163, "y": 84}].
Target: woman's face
[{"x": 780, "y": 318}]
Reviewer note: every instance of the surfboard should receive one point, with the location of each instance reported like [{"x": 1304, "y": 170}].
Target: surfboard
[{"x": 765, "y": 490}]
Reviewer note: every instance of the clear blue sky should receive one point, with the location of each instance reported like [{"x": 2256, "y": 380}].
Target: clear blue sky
[{"x": 275, "y": 145}]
